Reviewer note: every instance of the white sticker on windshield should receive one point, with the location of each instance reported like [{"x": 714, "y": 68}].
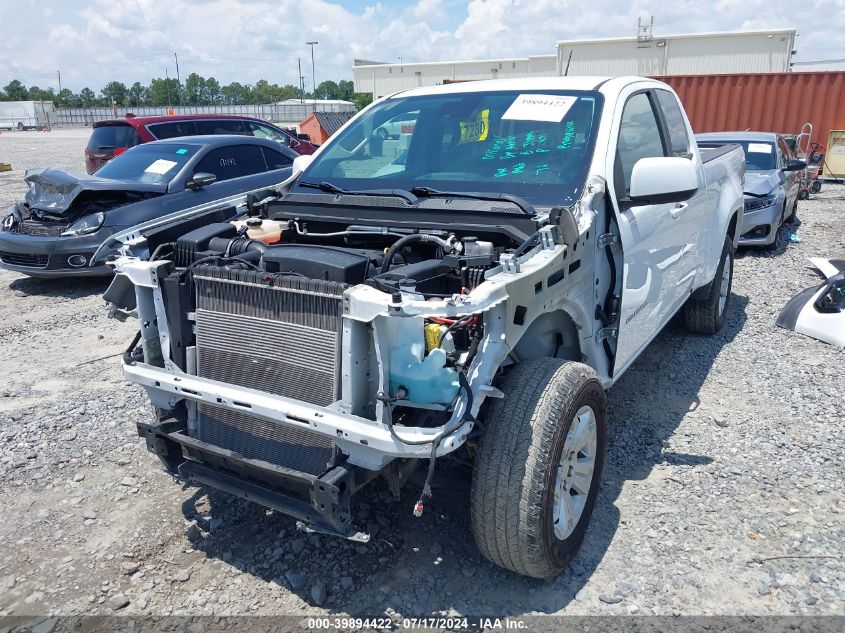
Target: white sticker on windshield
[
  {"x": 160, "y": 166},
  {"x": 759, "y": 148},
  {"x": 551, "y": 108}
]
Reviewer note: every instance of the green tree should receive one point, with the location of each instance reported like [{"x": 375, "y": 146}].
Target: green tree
[
  {"x": 67, "y": 99},
  {"x": 115, "y": 90},
  {"x": 15, "y": 91},
  {"x": 288, "y": 91},
  {"x": 38, "y": 94},
  {"x": 162, "y": 92},
  {"x": 137, "y": 95},
  {"x": 362, "y": 100},
  {"x": 236, "y": 93},
  {"x": 213, "y": 92},
  {"x": 264, "y": 92},
  {"x": 327, "y": 90},
  {"x": 345, "y": 90},
  {"x": 195, "y": 90},
  {"x": 87, "y": 97}
]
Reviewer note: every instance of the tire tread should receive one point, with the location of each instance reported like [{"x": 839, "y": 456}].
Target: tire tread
[
  {"x": 700, "y": 315},
  {"x": 508, "y": 483}
]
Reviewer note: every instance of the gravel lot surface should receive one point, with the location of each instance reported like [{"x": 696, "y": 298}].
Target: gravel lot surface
[{"x": 722, "y": 492}]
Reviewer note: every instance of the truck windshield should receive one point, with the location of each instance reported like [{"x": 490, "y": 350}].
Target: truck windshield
[
  {"x": 148, "y": 163},
  {"x": 534, "y": 145}
]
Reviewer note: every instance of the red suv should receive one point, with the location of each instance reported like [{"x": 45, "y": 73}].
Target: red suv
[{"x": 115, "y": 136}]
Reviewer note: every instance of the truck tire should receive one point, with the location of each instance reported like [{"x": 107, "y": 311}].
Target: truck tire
[
  {"x": 20, "y": 126},
  {"x": 704, "y": 312},
  {"x": 538, "y": 466}
]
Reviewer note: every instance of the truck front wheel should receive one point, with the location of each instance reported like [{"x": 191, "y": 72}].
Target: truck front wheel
[{"x": 538, "y": 466}]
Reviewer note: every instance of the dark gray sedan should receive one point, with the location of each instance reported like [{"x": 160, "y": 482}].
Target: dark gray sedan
[{"x": 66, "y": 218}]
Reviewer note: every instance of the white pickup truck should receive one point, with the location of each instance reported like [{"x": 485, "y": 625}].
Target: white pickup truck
[{"x": 467, "y": 290}]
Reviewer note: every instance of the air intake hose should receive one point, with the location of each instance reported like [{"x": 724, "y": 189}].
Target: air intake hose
[
  {"x": 236, "y": 246},
  {"x": 410, "y": 239}
]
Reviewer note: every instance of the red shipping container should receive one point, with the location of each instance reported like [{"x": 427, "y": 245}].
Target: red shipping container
[{"x": 766, "y": 102}]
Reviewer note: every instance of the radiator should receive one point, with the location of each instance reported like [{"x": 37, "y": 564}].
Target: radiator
[{"x": 274, "y": 333}]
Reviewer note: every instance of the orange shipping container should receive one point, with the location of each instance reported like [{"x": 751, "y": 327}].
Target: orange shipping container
[{"x": 769, "y": 102}]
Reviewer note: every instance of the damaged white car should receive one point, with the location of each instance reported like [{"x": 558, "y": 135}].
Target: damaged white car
[{"x": 468, "y": 289}]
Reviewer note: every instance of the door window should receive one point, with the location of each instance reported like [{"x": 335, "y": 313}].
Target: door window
[
  {"x": 232, "y": 162},
  {"x": 678, "y": 137},
  {"x": 221, "y": 126},
  {"x": 276, "y": 160},
  {"x": 172, "y": 129},
  {"x": 262, "y": 130},
  {"x": 639, "y": 137}
]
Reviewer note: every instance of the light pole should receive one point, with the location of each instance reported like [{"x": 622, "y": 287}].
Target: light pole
[
  {"x": 313, "y": 80},
  {"x": 178, "y": 81},
  {"x": 301, "y": 90}
]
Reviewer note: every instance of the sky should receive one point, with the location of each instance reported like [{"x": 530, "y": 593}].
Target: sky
[{"x": 95, "y": 41}]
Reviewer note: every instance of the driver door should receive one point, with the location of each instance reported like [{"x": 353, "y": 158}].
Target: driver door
[{"x": 653, "y": 239}]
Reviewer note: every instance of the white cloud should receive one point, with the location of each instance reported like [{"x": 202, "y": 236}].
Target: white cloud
[{"x": 246, "y": 40}]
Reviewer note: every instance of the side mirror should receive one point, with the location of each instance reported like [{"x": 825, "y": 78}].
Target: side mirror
[
  {"x": 661, "y": 181},
  {"x": 199, "y": 180},
  {"x": 795, "y": 165},
  {"x": 301, "y": 162}
]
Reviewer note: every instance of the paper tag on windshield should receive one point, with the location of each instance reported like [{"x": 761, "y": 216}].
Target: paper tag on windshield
[
  {"x": 551, "y": 108},
  {"x": 160, "y": 166},
  {"x": 759, "y": 148},
  {"x": 475, "y": 130}
]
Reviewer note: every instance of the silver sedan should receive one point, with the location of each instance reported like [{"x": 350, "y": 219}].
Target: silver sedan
[{"x": 772, "y": 180}]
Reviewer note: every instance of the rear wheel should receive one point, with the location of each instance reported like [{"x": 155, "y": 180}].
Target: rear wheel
[
  {"x": 382, "y": 133},
  {"x": 20, "y": 126},
  {"x": 538, "y": 467},
  {"x": 705, "y": 314}
]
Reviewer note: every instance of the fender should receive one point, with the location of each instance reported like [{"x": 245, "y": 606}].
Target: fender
[{"x": 726, "y": 219}]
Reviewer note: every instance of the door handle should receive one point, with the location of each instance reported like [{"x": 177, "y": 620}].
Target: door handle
[{"x": 679, "y": 209}]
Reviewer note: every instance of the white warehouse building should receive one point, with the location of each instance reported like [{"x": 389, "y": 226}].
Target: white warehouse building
[{"x": 695, "y": 54}]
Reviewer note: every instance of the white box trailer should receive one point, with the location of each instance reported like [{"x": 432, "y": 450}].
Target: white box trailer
[{"x": 27, "y": 115}]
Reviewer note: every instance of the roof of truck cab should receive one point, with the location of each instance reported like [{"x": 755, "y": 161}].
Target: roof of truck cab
[
  {"x": 532, "y": 83},
  {"x": 768, "y": 137}
]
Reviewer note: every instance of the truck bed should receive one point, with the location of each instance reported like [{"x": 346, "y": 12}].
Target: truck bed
[{"x": 711, "y": 152}]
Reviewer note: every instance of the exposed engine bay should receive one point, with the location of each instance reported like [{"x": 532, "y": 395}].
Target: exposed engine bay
[
  {"x": 272, "y": 247},
  {"x": 429, "y": 265}
]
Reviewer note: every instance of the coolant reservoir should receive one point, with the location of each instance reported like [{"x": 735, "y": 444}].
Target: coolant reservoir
[
  {"x": 425, "y": 378},
  {"x": 267, "y": 231}
]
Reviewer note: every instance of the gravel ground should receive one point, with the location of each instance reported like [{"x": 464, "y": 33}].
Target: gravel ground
[{"x": 722, "y": 493}]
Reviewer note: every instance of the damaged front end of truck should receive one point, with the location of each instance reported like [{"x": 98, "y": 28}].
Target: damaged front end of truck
[
  {"x": 342, "y": 332},
  {"x": 280, "y": 380}
]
